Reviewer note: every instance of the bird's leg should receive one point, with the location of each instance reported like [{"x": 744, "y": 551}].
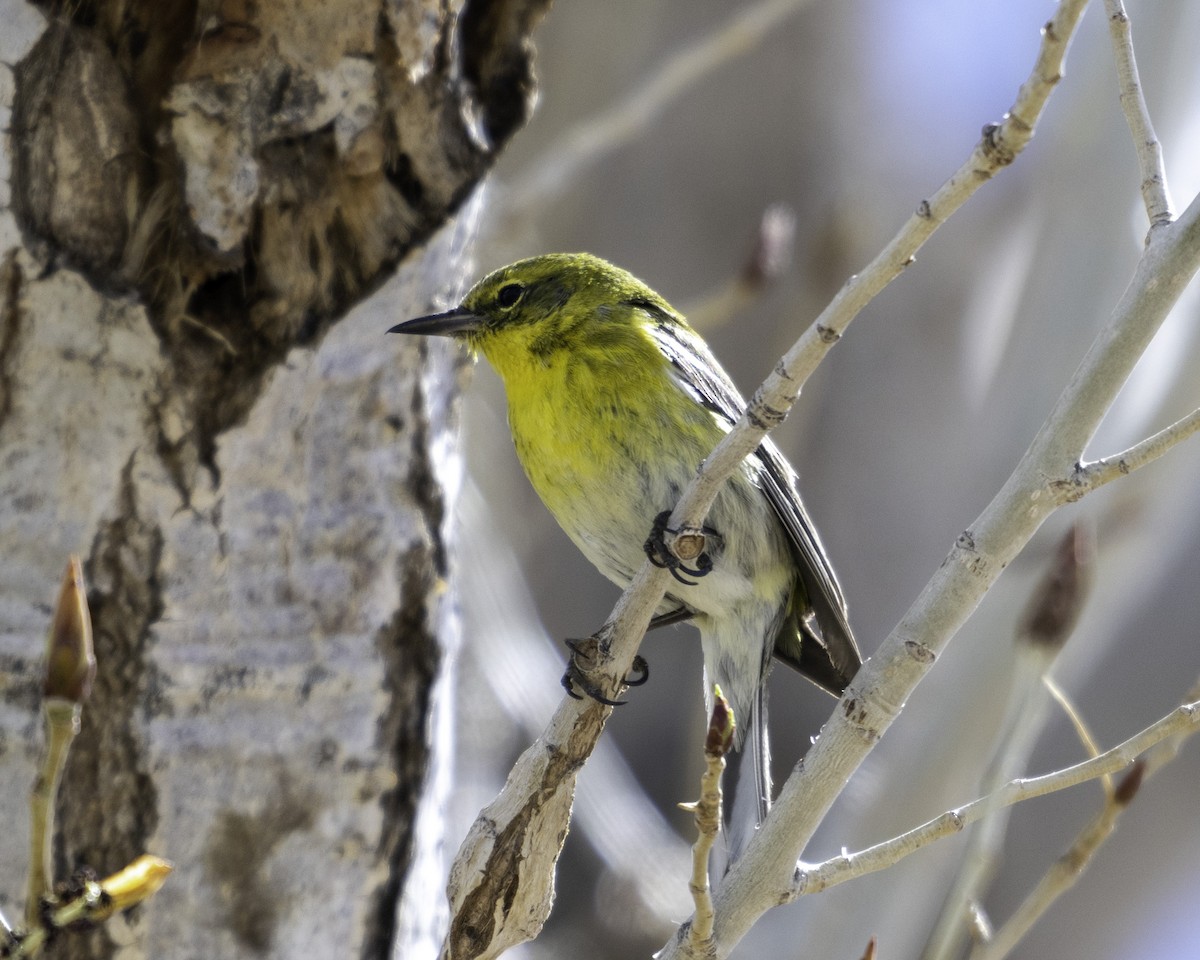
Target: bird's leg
[
  {"x": 682, "y": 615},
  {"x": 577, "y": 676},
  {"x": 660, "y": 554}
]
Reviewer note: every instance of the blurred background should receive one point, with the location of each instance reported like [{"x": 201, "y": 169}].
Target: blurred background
[{"x": 846, "y": 115}]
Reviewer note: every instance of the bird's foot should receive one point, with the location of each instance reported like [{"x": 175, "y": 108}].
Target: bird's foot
[
  {"x": 577, "y": 678},
  {"x": 690, "y": 543}
]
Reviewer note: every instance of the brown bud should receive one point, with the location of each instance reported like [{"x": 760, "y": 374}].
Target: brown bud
[
  {"x": 721, "y": 726},
  {"x": 1056, "y": 603},
  {"x": 70, "y": 662},
  {"x": 1130, "y": 784}
]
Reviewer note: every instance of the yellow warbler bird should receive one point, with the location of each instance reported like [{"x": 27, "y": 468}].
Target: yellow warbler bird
[{"x": 613, "y": 402}]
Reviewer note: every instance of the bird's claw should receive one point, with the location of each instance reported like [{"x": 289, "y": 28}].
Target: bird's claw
[
  {"x": 640, "y": 674},
  {"x": 576, "y": 676},
  {"x": 659, "y": 555}
]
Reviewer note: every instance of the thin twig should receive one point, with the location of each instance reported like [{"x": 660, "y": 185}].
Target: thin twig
[
  {"x": 1060, "y": 878},
  {"x": 1069, "y": 867},
  {"x": 1091, "y": 476},
  {"x": 1181, "y": 722},
  {"x": 62, "y": 726},
  {"x": 587, "y": 143},
  {"x": 707, "y": 828},
  {"x": 1081, "y": 728},
  {"x": 1090, "y": 838},
  {"x": 707, "y": 812},
  {"x": 94, "y": 903},
  {"x": 1149, "y": 151}
]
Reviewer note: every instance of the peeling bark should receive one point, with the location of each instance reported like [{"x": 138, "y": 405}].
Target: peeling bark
[{"x": 250, "y": 171}]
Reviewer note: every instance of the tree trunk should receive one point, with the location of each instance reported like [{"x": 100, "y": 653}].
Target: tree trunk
[{"x": 197, "y": 194}]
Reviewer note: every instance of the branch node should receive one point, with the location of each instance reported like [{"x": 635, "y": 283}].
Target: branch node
[
  {"x": 762, "y": 415},
  {"x": 992, "y": 145},
  {"x": 858, "y": 717},
  {"x": 687, "y": 543}
]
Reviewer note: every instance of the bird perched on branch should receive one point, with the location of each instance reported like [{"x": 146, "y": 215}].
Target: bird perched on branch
[{"x": 613, "y": 402}]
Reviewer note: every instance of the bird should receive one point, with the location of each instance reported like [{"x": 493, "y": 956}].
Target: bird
[{"x": 613, "y": 403}]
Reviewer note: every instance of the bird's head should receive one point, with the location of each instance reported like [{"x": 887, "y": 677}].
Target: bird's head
[{"x": 534, "y": 308}]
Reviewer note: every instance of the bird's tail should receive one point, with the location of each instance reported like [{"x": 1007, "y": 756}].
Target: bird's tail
[{"x": 752, "y": 797}]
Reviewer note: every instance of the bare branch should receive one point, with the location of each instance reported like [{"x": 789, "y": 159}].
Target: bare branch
[
  {"x": 522, "y": 665},
  {"x": 1080, "y": 727},
  {"x": 501, "y": 884},
  {"x": 1060, "y": 878},
  {"x": 1133, "y": 103},
  {"x": 1070, "y": 866},
  {"x": 1024, "y": 719},
  {"x": 1181, "y": 722},
  {"x": 1091, "y": 476},
  {"x": 707, "y": 812}
]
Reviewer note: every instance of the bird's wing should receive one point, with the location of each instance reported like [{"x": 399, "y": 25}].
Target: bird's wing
[{"x": 827, "y": 655}]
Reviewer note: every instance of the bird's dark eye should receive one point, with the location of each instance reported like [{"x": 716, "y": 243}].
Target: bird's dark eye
[{"x": 509, "y": 294}]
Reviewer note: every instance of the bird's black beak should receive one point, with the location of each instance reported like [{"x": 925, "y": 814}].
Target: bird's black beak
[{"x": 448, "y": 324}]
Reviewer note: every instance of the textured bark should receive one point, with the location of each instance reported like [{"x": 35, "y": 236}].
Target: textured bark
[{"x": 197, "y": 193}]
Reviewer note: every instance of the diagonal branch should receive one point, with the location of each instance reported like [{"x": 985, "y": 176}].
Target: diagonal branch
[
  {"x": 877, "y": 694},
  {"x": 999, "y": 146}
]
